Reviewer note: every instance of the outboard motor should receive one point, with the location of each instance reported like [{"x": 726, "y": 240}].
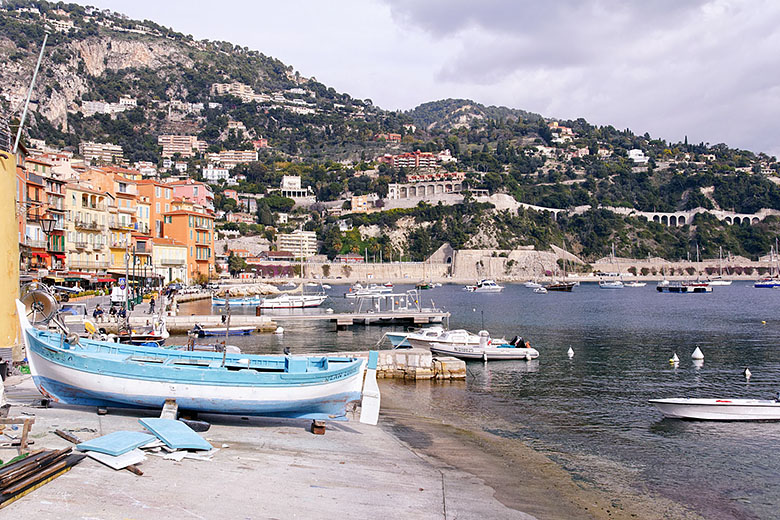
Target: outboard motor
[{"x": 484, "y": 338}]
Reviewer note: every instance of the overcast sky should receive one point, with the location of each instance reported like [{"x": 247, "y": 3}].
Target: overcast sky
[{"x": 702, "y": 68}]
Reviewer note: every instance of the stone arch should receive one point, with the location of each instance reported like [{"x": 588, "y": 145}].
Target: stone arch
[
  {"x": 665, "y": 220},
  {"x": 673, "y": 221},
  {"x": 449, "y": 260},
  {"x": 404, "y": 193},
  {"x": 429, "y": 189},
  {"x": 457, "y": 186},
  {"x": 448, "y": 187},
  {"x": 412, "y": 191},
  {"x": 728, "y": 220},
  {"x": 656, "y": 218},
  {"x": 737, "y": 220},
  {"x": 755, "y": 220},
  {"x": 681, "y": 220},
  {"x": 439, "y": 188}
]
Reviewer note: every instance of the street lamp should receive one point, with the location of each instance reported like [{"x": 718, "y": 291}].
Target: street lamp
[{"x": 47, "y": 226}]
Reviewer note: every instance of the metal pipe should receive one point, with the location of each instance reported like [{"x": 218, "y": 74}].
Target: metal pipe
[{"x": 29, "y": 94}]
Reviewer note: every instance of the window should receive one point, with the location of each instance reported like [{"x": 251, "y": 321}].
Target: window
[
  {"x": 157, "y": 207},
  {"x": 157, "y": 191},
  {"x": 167, "y": 207}
]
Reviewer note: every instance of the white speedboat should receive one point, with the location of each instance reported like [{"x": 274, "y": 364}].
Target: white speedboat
[
  {"x": 611, "y": 284},
  {"x": 634, "y": 284},
  {"x": 717, "y": 280},
  {"x": 293, "y": 301},
  {"x": 485, "y": 286},
  {"x": 719, "y": 409},
  {"x": 358, "y": 290},
  {"x": 460, "y": 344},
  {"x": 532, "y": 285},
  {"x": 399, "y": 339},
  {"x": 540, "y": 290}
]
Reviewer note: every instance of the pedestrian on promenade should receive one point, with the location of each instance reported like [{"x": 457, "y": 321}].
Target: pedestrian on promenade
[
  {"x": 97, "y": 314},
  {"x": 151, "y": 305}
]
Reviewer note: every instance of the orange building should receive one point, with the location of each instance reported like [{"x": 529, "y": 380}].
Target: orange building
[
  {"x": 160, "y": 196},
  {"x": 196, "y": 231}
]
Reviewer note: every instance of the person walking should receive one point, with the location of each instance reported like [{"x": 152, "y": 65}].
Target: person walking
[{"x": 151, "y": 305}]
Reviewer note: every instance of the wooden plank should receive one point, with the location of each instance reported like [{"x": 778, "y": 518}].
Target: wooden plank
[
  {"x": 33, "y": 467},
  {"x": 68, "y": 436}
]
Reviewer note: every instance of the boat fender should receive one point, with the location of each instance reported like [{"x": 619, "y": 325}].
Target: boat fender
[
  {"x": 102, "y": 331},
  {"x": 89, "y": 326}
]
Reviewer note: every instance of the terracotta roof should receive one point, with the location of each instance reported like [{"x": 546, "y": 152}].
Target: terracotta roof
[{"x": 167, "y": 242}]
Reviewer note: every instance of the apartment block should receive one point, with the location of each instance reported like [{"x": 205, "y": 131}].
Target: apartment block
[{"x": 184, "y": 145}]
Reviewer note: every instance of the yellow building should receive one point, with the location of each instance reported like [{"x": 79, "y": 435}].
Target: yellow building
[{"x": 86, "y": 215}]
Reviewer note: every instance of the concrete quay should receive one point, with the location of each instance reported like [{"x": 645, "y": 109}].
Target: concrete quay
[
  {"x": 265, "y": 468},
  {"x": 415, "y": 364}
]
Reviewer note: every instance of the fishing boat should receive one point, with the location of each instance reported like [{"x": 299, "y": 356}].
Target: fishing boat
[
  {"x": 293, "y": 301},
  {"x": 153, "y": 333},
  {"x": 399, "y": 339},
  {"x": 488, "y": 286},
  {"x": 97, "y": 373},
  {"x": 461, "y": 344},
  {"x": 203, "y": 332},
  {"x": 719, "y": 409},
  {"x": 767, "y": 283},
  {"x": 237, "y": 302}
]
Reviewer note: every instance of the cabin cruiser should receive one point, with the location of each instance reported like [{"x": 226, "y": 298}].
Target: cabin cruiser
[{"x": 485, "y": 286}]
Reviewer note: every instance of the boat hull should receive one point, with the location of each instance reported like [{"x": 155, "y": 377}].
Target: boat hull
[
  {"x": 292, "y": 302},
  {"x": 490, "y": 353},
  {"x": 719, "y": 409},
  {"x": 120, "y": 377},
  {"x": 234, "y": 331},
  {"x": 236, "y": 301}
]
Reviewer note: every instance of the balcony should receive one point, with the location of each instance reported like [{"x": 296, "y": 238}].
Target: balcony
[
  {"x": 119, "y": 243},
  {"x": 40, "y": 244},
  {"x": 80, "y": 244},
  {"x": 92, "y": 225},
  {"x": 172, "y": 262},
  {"x": 113, "y": 224},
  {"x": 88, "y": 264}
]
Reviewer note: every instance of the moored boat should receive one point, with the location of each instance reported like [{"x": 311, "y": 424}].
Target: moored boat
[
  {"x": 236, "y": 302},
  {"x": 97, "y": 373},
  {"x": 684, "y": 287},
  {"x": 767, "y": 283},
  {"x": 611, "y": 284},
  {"x": 532, "y": 285},
  {"x": 202, "y": 332},
  {"x": 560, "y": 286},
  {"x": 293, "y": 301},
  {"x": 486, "y": 285},
  {"x": 719, "y": 409},
  {"x": 464, "y": 345},
  {"x": 634, "y": 284}
]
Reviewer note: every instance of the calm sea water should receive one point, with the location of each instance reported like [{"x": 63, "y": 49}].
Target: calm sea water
[{"x": 590, "y": 413}]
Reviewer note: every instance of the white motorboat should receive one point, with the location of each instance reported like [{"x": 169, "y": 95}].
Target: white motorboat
[
  {"x": 611, "y": 284},
  {"x": 540, "y": 290},
  {"x": 532, "y": 285},
  {"x": 717, "y": 280},
  {"x": 460, "y": 344},
  {"x": 719, "y": 409},
  {"x": 485, "y": 286},
  {"x": 293, "y": 301},
  {"x": 399, "y": 339},
  {"x": 358, "y": 290},
  {"x": 634, "y": 284}
]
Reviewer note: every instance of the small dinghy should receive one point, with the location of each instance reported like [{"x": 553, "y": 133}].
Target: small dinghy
[
  {"x": 202, "y": 332},
  {"x": 720, "y": 409}
]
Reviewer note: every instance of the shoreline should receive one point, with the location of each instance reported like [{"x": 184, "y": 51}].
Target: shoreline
[{"x": 521, "y": 477}]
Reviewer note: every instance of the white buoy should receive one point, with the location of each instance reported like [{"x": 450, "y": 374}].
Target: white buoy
[
  {"x": 747, "y": 373},
  {"x": 570, "y": 352},
  {"x": 484, "y": 357},
  {"x": 279, "y": 330},
  {"x": 697, "y": 354},
  {"x": 674, "y": 359},
  {"x": 698, "y": 363}
]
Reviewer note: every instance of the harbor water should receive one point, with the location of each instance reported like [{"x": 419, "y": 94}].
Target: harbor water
[{"x": 589, "y": 413}]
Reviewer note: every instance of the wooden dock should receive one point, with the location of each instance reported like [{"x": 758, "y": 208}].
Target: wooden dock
[{"x": 349, "y": 319}]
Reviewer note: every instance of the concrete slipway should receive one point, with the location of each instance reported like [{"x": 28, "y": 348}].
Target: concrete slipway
[{"x": 268, "y": 469}]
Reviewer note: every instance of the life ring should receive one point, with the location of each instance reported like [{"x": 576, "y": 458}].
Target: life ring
[{"x": 89, "y": 326}]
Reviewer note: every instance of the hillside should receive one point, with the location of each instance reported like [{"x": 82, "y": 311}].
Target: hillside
[{"x": 109, "y": 79}]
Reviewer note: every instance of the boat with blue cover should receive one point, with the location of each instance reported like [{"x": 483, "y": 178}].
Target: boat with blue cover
[
  {"x": 237, "y": 302},
  {"x": 87, "y": 372}
]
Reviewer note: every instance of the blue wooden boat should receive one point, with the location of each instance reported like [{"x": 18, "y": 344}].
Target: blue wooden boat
[
  {"x": 246, "y": 301},
  {"x": 100, "y": 373},
  {"x": 202, "y": 332}
]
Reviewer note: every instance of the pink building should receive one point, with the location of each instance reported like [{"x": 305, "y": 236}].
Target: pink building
[
  {"x": 231, "y": 194},
  {"x": 193, "y": 191}
]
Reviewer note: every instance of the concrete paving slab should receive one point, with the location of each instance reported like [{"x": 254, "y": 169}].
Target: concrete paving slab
[{"x": 269, "y": 468}]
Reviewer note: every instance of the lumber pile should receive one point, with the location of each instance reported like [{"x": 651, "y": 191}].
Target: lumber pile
[{"x": 29, "y": 473}]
